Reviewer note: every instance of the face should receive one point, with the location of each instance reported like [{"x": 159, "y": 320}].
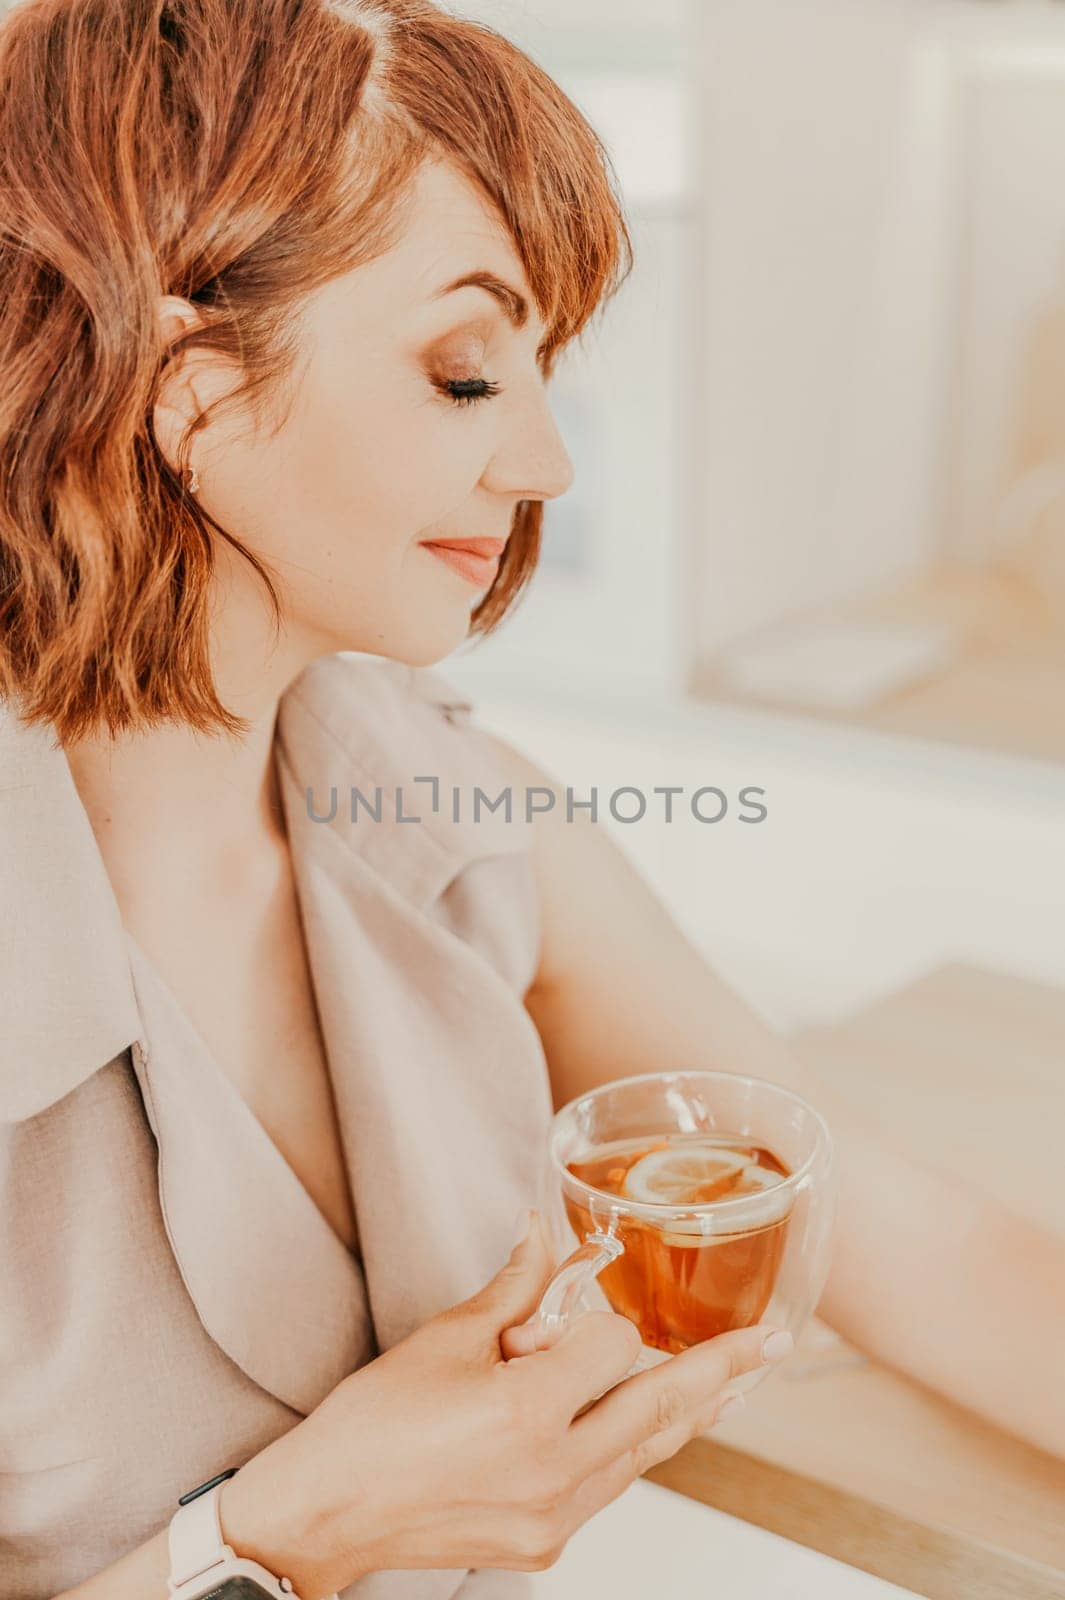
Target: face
[{"x": 419, "y": 414}]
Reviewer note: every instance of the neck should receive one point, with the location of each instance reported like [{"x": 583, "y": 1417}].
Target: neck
[{"x": 193, "y": 809}]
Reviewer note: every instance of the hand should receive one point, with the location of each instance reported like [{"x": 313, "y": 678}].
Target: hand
[{"x": 441, "y": 1453}]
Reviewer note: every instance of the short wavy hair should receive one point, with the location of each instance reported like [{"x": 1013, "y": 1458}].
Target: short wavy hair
[{"x": 238, "y": 154}]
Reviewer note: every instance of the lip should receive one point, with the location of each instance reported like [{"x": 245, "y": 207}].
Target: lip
[{"x": 476, "y": 560}]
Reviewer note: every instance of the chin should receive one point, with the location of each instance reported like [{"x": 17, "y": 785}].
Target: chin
[
  {"x": 420, "y": 643},
  {"x": 435, "y": 644}
]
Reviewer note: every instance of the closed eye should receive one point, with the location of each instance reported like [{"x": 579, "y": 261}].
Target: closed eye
[{"x": 467, "y": 391}]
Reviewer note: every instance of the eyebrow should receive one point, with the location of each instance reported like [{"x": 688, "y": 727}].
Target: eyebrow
[{"x": 514, "y": 304}]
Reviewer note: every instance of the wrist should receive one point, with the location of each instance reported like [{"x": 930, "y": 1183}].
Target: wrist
[{"x": 265, "y": 1517}]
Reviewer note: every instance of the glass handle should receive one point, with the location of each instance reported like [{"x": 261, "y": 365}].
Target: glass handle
[{"x": 578, "y": 1269}]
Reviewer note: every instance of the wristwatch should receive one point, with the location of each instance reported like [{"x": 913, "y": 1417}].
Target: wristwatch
[{"x": 203, "y": 1566}]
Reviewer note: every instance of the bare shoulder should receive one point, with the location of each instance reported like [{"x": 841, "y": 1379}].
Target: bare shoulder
[
  {"x": 558, "y": 824},
  {"x": 581, "y": 875},
  {"x": 520, "y": 770}
]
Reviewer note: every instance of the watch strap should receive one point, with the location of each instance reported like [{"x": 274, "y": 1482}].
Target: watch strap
[{"x": 195, "y": 1538}]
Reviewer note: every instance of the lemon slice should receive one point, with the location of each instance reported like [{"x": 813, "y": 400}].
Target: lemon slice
[
  {"x": 762, "y": 1178},
  {"x": 689, "y": 1174}
]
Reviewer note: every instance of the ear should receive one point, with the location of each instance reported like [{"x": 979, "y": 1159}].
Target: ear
[{"x": 179, "y": 401}]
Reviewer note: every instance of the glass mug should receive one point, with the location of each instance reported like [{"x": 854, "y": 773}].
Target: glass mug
[{"x": 700, "y": 1202}]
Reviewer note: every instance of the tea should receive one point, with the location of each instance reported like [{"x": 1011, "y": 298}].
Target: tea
[{"x": 678, "y": 1284}]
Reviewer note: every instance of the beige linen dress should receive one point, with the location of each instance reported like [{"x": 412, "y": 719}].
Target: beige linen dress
[{"x": 172, "y": 1298}]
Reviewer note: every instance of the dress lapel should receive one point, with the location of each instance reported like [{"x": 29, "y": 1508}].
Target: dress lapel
[
  {"x": 272, "y": 1283},
  {"x": 438, "y": 1071},
  {"x": 439, "y": 1084}
]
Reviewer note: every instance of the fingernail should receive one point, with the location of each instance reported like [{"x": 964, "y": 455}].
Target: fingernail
[
  {"x": 777, "y": 1346},
  {"x": 731, "y": 1404}
]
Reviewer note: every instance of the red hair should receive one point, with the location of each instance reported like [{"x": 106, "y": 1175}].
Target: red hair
[{"x": 238, "y": 154}]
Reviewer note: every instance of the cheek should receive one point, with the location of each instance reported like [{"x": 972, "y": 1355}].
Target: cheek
[{"x": 384, "y": 456}]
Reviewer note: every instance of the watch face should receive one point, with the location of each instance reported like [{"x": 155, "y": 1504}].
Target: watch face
[{"x": 237, "y": 1589}]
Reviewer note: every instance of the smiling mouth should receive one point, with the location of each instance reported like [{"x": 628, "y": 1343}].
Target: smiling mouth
[{"x": 476, "y": 560}]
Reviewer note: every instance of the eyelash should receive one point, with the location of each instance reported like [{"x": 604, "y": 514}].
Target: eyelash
[{"x": 467, "y": 391}]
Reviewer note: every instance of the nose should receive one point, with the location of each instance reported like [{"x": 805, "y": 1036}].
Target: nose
[{"x": 531, "y": 462}]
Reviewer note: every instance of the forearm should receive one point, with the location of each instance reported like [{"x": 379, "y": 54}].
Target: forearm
[
  {"x": 932, "y": 1276},
  {"x": 140, "y": 1575},
  {"x": 929, "y": 1274},
  {"x": 261, "y": 1518}
]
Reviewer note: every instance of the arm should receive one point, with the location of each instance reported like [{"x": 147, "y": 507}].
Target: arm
[
  {"x": 140, "y": 1575},
  {"x": 929, "y": 1275}
]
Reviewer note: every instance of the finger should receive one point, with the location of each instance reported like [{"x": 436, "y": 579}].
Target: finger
[
  {"x": 514, "y": 1292},
  {"x": 592, "y": 1355},
  {"x": 525, "y": 1339},
  {"x": 598, "y": 1488},
  {"x": 676, "y": 1394},
  {"x": 529, "y": 1336}
]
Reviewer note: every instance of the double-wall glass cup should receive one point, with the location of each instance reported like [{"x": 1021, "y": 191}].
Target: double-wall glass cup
[{"x": 697, "y": 1203}]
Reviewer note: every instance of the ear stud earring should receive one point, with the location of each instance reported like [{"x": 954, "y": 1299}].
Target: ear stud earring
[{"x": 192, "y": 481}]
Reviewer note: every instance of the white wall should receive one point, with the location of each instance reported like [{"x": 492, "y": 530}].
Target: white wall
[
  {"x": 812, "y": 472},
  {"x": 549, "y": 27},
  {"x": 1011, "y": 306},
  {"x": 883, "y": 225}
]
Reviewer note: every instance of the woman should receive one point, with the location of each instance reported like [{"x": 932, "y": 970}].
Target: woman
[{"x": 282, "y": 284}]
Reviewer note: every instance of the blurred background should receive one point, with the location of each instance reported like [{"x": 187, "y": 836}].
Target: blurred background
[
  {"x": 816, "y": 545},
  {"x": 816, "y": 541}
]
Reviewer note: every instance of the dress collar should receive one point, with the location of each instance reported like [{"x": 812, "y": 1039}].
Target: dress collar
[
  {"x": 68, "y": 1001},
  {"x": 402, "y": 737}
]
